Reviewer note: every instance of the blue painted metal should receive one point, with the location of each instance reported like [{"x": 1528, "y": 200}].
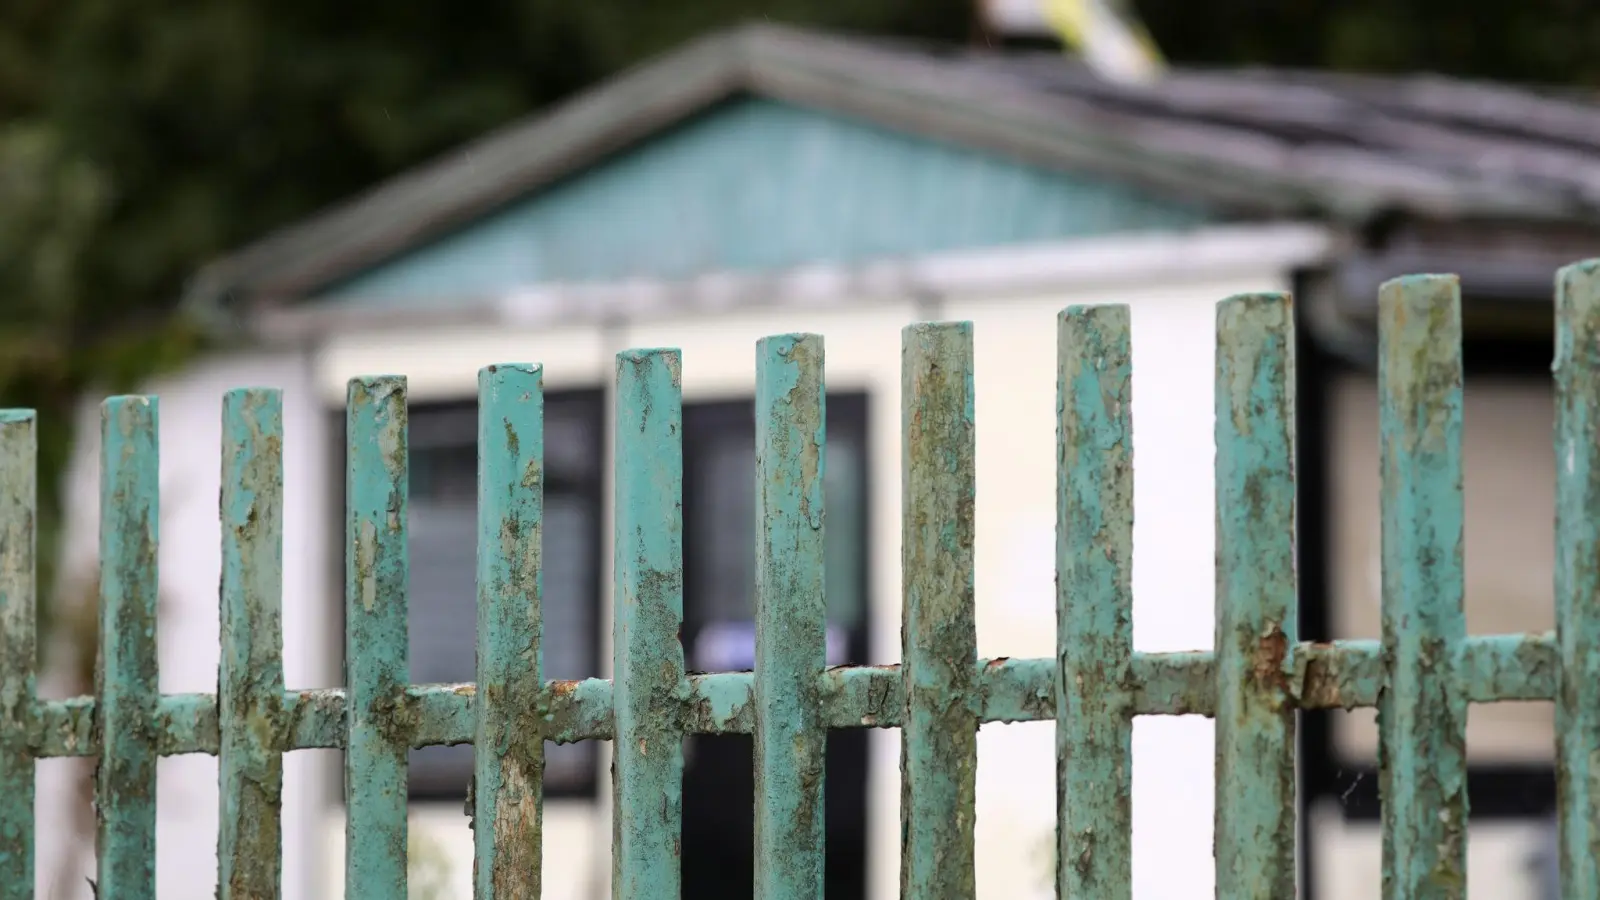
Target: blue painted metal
[
  {"x": 1256, "y": 599},
  {"x": 648, "y": 601},
  {"x": 1577, "y": 586},
  {"x": 939, "y": 641},
  {"x": 1094, "y": 605},
  {"x": 126, "y": 686},
  {"x": 19, "y": 448},
  {"x": 1421, "y": 676},
  {"x": 758, "y": 185},
  {"x": 250, "y": 677},
  {"x": 508, "y": 768},
  {"x": 379, "y": 718},
  {"x": 791, "y": 611},
  {"x": 1422, "y": 716}
]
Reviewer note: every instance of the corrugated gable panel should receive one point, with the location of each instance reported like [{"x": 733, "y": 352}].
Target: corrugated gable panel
[{"x": 758, "y": 185}]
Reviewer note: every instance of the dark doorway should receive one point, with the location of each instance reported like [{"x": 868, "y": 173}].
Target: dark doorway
[{"x": 719, "y": 635}]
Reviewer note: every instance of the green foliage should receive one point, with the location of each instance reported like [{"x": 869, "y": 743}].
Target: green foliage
[{"x": 1547, "y": 41}]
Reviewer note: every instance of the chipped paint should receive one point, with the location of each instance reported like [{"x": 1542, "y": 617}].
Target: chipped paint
[
  {"x": 1422, "y": 718},
  {"x": 790, "y": 616},
  {"x": 1094, "y": 604},
  {"x": 379, "y": 714},
  {"x": 1420, "y": 675},
  {"x": 939, "y": 740},
  {"x": 18, "y": 652},
  {"x": 648, "y": 658},
  {"x": 1576, "y": 664},
  {"x": 126, "y": 686},
  {"x": 250, "y": 701},
  {"x": 508, "y": 767},
  {"x": 1256, "y": 599}
]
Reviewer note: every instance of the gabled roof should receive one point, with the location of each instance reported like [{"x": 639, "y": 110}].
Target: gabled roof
[{"x": 1257, "y": 143}]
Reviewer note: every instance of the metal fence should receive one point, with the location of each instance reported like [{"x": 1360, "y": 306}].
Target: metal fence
[{"x": 1421, "y": 675}]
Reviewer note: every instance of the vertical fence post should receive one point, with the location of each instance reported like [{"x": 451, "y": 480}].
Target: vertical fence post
[
  {"x": 126, "y": 684},
  {"x": 1577, "y": 579},
  {"x": 650, "y": 684},
  {"x": 1094, "y": 604},
  {"x": 1422, "y": 713},
  {"x": 939, "y": 738},
  {"x": 508, "y": 753},
  {"x": 1255, "y": 598},
  {"x": 376, "y": 668},
  {"x": 250, "y": 683},
  {"x": 18, "y": 651},
  {"x": 791, "y": 614}
]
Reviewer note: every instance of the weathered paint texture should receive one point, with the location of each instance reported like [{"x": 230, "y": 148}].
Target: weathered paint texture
[
  {"x": 648, "y": 657},
  {"x": 380, "y": 717},
  {"x": 939, "y": 736},
  {"x": 1094, "y": 604},
  {"x": 1421, "y": 675},
  {"x": 1422, "y": 714},
  {"x": 18, "y": 652},
  {"x": 126, "y": 687},
  {"x": 790, "y": 614},
  {"x": 1577, "y": 580},
  {"x": 1255, "y": 598},
  {"x": 250, "y": 680},
  {"x": 508, "y": 771}
]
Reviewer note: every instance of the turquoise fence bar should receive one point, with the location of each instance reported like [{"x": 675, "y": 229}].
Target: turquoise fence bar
[
  {"x": 791, "y": 616},
  {"x": 376, "y": 649},
  {"x": 1256, "y": 599},
  {"x": 1577, "y": 581},
  {"x": 939, "y": 737},
  {"x": 126, "y": 687},
  {"x": 508, "y": 762},
  {"x": 648, "y": 659},
  {"x": 1421, "y": 675},
  {"x": 1422, "y": 716},
  {"x": 1094, "y": 605},
  {"x": 18, "y": 652},
  {"x": 250, "y": 677}
]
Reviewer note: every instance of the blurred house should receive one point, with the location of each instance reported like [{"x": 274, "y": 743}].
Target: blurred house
[{"x": 769, "y": 180}]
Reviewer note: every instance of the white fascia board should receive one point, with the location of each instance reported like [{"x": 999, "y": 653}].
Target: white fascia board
[{"x": 1097, "y": 262}]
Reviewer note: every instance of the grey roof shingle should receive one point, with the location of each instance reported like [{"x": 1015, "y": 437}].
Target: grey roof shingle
[{"x": 1252, "y": 143}]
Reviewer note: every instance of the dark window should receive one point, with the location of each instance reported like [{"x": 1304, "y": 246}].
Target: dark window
[{"x": 443, "y": 551}]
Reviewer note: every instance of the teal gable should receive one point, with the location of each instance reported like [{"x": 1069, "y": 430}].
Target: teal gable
[{"x": 752, "y": 185}]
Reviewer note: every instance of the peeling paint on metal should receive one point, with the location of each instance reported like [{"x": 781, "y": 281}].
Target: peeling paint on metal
[
  {"x": 791, "y": 613},
  {"x": 250, "y": 698},
  {"x": 939, "y": 739},
  {"x": 650, "y": 686},
  {"x": 1421, "y": 675},
  {"x": 1094, "y": 604},
  {"x": 18, "y": 651},
  {"x": 1256, "y": 599},
  {"x": 508, "y": 771},
  {"x": 1422, "y": 715},
  {"x": 379, "y": 715},
  {"x": 1577, "y": 580},
  {"x": 126, "y": 685}
]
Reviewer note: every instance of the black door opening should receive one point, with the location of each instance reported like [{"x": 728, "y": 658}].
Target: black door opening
[{"x": 719, "y": 635}]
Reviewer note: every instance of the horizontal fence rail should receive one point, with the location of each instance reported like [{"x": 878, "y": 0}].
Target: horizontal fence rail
[{"x": 1421, "y": 675}]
